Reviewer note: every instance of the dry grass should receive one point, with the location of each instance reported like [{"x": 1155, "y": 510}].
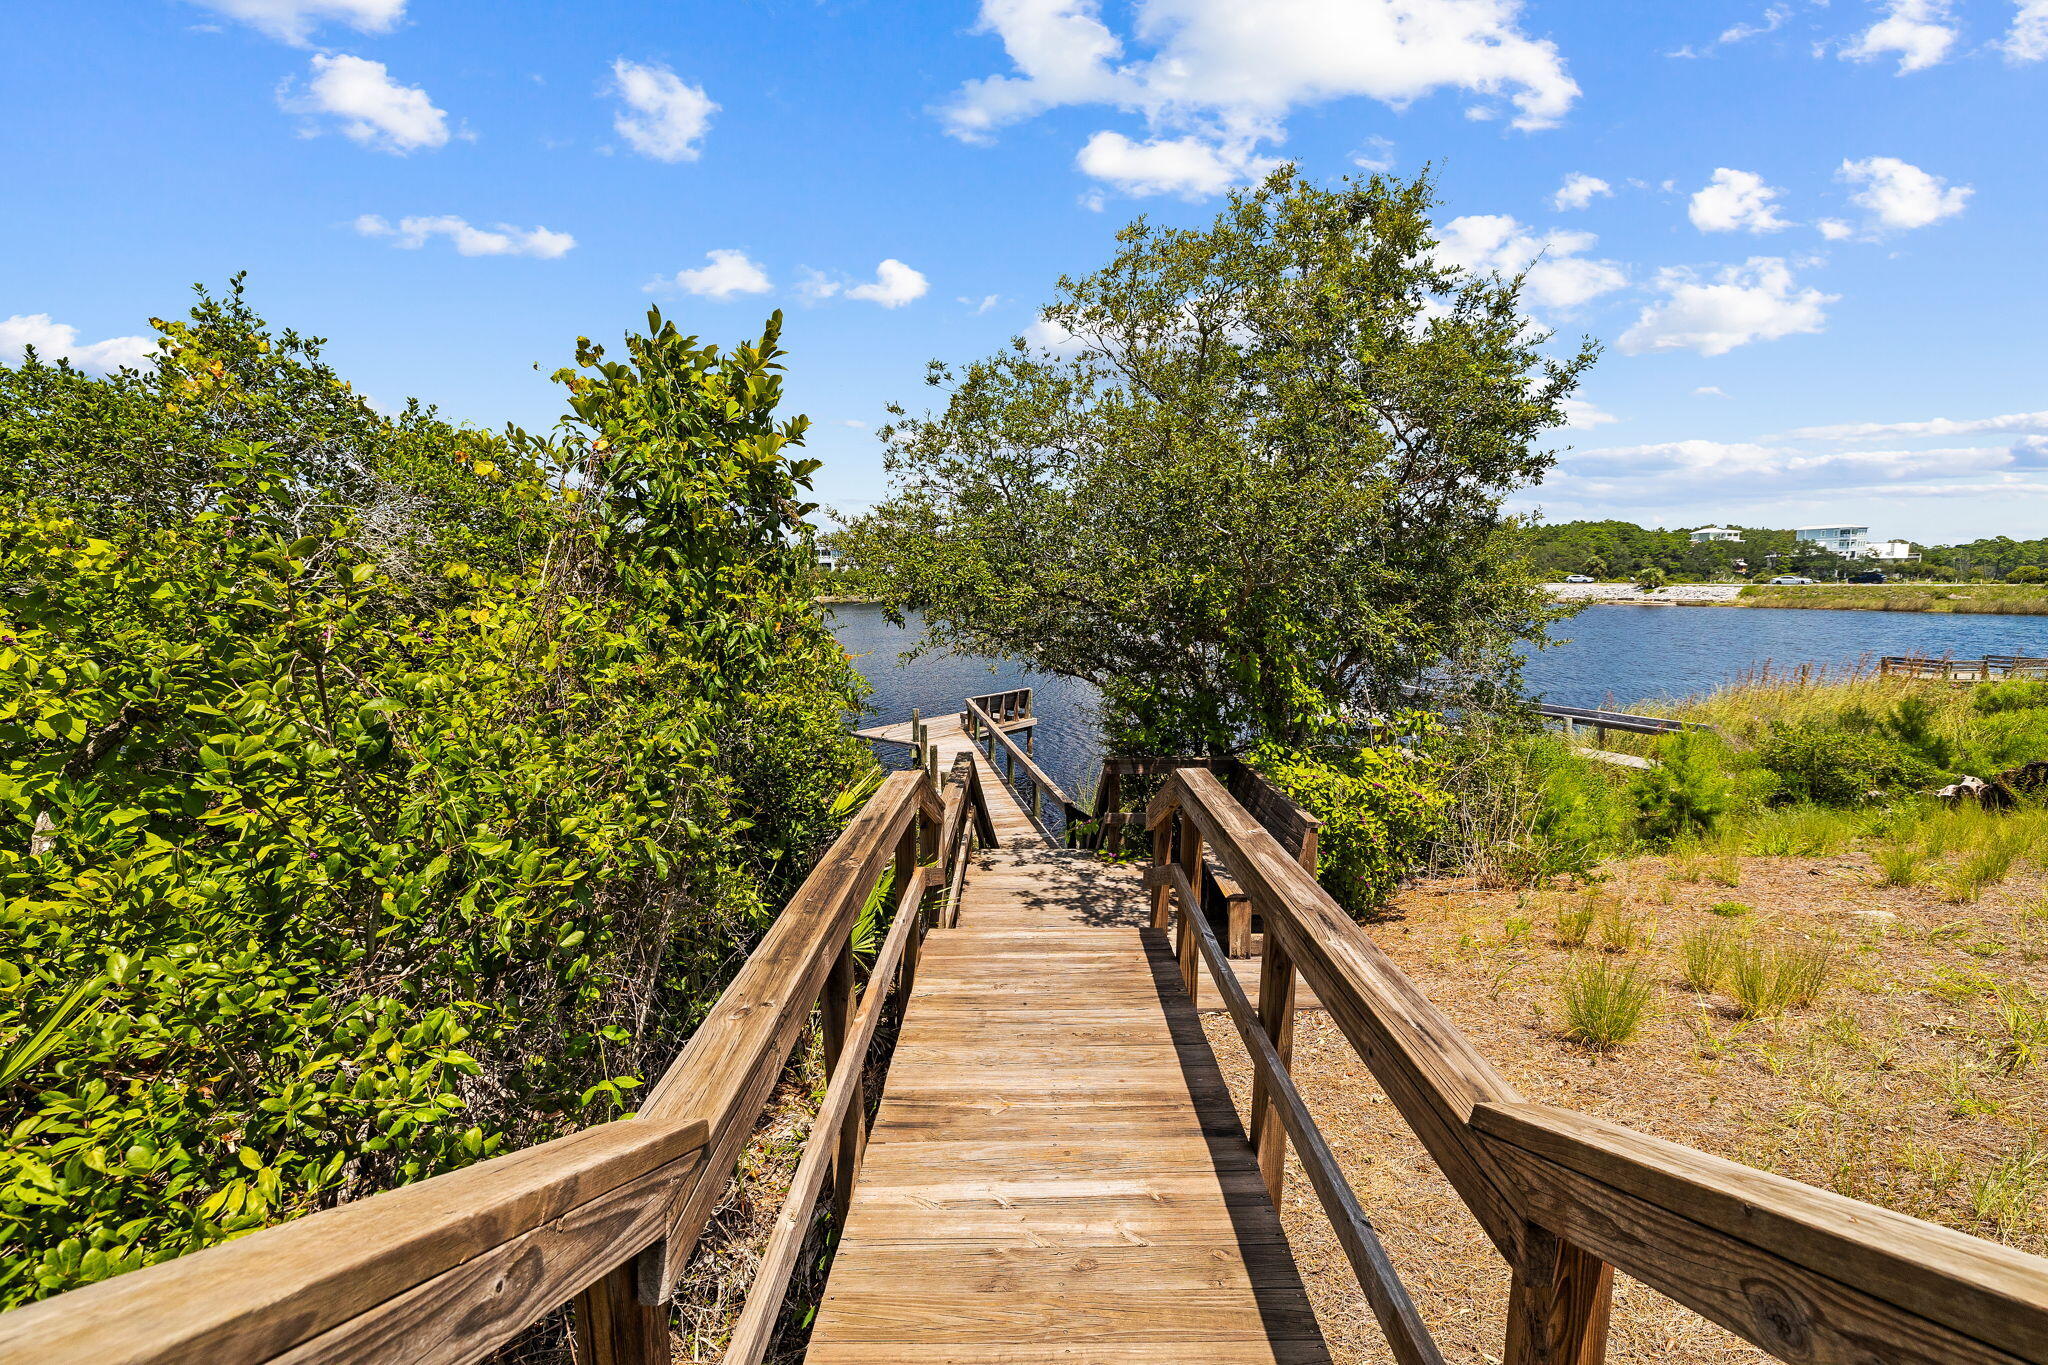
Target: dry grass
[{"x": 1912, "y": 1081}]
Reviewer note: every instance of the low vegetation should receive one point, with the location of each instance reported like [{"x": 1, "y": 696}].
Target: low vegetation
[{"x": 1981, "y": 599}]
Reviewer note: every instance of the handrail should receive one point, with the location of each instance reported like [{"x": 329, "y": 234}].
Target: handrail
[
  {"x": 978, "y": 721},
  {"x": 451, "y": 1268},
  {"x": 1803, "y": 1273},
  {"x": 1407, "y": 1335}
]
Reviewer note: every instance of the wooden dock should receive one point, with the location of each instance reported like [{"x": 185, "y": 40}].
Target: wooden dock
[{"x": 1056, "y": 1156}]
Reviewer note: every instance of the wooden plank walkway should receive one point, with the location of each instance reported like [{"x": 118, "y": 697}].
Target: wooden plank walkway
[
  {"x": 1057, "y": 1172},
  {"x": 1013, "y": 824}
]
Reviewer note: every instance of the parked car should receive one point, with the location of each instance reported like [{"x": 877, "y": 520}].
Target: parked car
[
  {"x": 1789, "y": 580},
  {"x": 1578, "y": 578},
  {"x": 1868, "y": 576}
]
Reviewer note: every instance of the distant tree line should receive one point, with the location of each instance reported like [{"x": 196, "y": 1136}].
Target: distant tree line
[{"x": 1622, "y": 550}]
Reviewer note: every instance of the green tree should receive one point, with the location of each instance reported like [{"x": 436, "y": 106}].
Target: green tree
[
  {"x": 385, "y": 794},
  {"x": 1260, "y": 489}
]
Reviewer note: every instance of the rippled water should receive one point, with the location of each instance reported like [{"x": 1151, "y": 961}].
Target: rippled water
[{"x": 1604, "y": 655}]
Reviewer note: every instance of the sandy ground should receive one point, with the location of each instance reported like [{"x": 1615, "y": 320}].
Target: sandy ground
[
  {"x": 1889, "y": 1088},
  {"x": 1684, "y": 594}
]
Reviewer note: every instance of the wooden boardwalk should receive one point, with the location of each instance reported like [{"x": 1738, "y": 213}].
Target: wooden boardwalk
[{"x": 1057, "y": 1172}]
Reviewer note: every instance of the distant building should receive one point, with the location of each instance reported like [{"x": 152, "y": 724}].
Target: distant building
[
  {"x": 1890, "y": 550},
  {"x": 1709, "y": 533},
  {"x": 1841, "y": 540},
  {"x": 829, "y": 558}
]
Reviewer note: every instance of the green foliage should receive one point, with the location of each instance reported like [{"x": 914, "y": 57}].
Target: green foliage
[
  {"x": 1837, "y": 766},
  {"x": 1380, "y": 807},
  {"x": 2011, "y": 694},
  {"x": 1259, "y": 494},
  {"x": 1533, "y": 810},
  {"x": 1604, "y": 1002},
  {"x": 1624, "y": 550},
  {"x": 1703, "y": 957},
  {"x": 382, "y": 795},
  {"x": 1688, "y": 789},
  {"x": 1652, "y": 579}
]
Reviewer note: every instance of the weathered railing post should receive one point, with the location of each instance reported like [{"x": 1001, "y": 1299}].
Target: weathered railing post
[
  {"x": 1191, "y": 864},
  {"x": 612, "y": 1326},
  {"x": 908, "y": 850},
  {"x": 1276, "y": 1017},
  {"x": 1558, "y": 1304},
  {"x": 837, "y": 1005}
]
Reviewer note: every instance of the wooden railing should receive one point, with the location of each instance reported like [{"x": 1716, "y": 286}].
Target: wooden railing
[
  {"x": 985, "y": 720},
  {"x": 1964, "y": 670},
  {"x": 452, "y": 1268},
  {"x": 1566, "y": 1198}
]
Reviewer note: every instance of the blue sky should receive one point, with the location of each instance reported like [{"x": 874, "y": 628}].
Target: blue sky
[{"x": 1810, "y": 234}]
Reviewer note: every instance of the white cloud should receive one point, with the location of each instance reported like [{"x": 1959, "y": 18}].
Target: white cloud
[
  {"x": 59, "y": 341},
  {"x": 503, "y": 240},
  {"x": 1377, "y": 155},
  {"x": 1709, "y": 391},
  {"x": 1773, "y": 18},
  {"x": 730, "y": 272},
  {"x": 1579, "y": 190},
  {"x": 1835, "y": 230},
  {"x": 895, "y": 284},
  {"x": 982, "y": 304},
  {"x": 2032, "y": 422},
  {"x": 1557, "y": 275},
  {"x": 1736, "y": 201},
  {"x": 1755, "y": 301},
  {"x": 1753, "y": 471},
  {"x": 1229, "y": 73},
  {"x": 2027, "y": 40},
  {"x": 293, "y": 21},
  {"x": 1580, "y": 415},
  {"x": 1901, "y": 195},
  {"x": 373, "y": 109},
  {"x": 663, "y": 117},
  {"x": 1186, "y": 166},
  {"x": 1921, "y": 32}
]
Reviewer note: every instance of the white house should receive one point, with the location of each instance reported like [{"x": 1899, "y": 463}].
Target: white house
[
  {"x": 1709, "y": 533},
  {"x": 1890, "y": 550},
  {"x": 1843, "y": 540}
]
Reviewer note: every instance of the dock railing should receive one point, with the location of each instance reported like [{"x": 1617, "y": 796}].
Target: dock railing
[
  {"x": 452, "y": 1268},
  {"x": 989, "y": 722},
  {"x": 1946, "y": 669},
  {"x": 1566, "y": 1198}
]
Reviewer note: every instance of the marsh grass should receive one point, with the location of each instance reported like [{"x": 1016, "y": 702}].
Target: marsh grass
[
  {"x": 1703, "y": 958},
  {"x": 1604, "y": 1003},
  {"x": 1900, "y": 864},
  {"x": 1621, "y": 929},
  {"x": 1768, "y": 981},
  {"x": 2023, "y": 1023},
  {"x": 2010, "y": 1193}
]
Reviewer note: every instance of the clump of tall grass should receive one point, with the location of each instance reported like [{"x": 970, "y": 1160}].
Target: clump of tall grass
[
  {"x": 2023, "y": 1018},
  {"x": 1768, "y": 981},
  {"x": 1574, "y": 923},
  {"x": 1986, "y": 864},
  {"x": 1604, "y": 1002},
  {"x": 1621, "y": 928},
  {"x": 1805, "y": 831},
  {"x": 1900, "y": 864},
  {"x": 1703, "y": 958}
]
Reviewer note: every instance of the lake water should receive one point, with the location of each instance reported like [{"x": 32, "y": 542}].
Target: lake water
[{"x": 1605, "y": 655}]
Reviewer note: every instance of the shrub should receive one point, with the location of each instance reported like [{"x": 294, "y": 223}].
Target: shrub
[
  {"x": 1536, "y": 811},
  {"x": 372, "y": 804},
  {"x": 1604, "y": 1003},
  {"x": 2011, "y": 694},
  {"x": 1836, "y": 766},
  {"x": 1380, "y": 806},
  {"x": 1687, "y": 791}
]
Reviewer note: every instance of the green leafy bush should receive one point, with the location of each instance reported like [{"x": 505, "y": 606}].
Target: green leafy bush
[
  {"x": 2011, "y": 694},
  {"x": 1380, "y": 806},
  {"x": 376, "y": 795},
  {"x": 1837, "y": 766},
  {"x": 1688, "y": 790}
]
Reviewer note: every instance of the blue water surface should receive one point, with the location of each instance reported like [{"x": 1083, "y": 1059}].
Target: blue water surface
[{"x": 1603, "y": 656}]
